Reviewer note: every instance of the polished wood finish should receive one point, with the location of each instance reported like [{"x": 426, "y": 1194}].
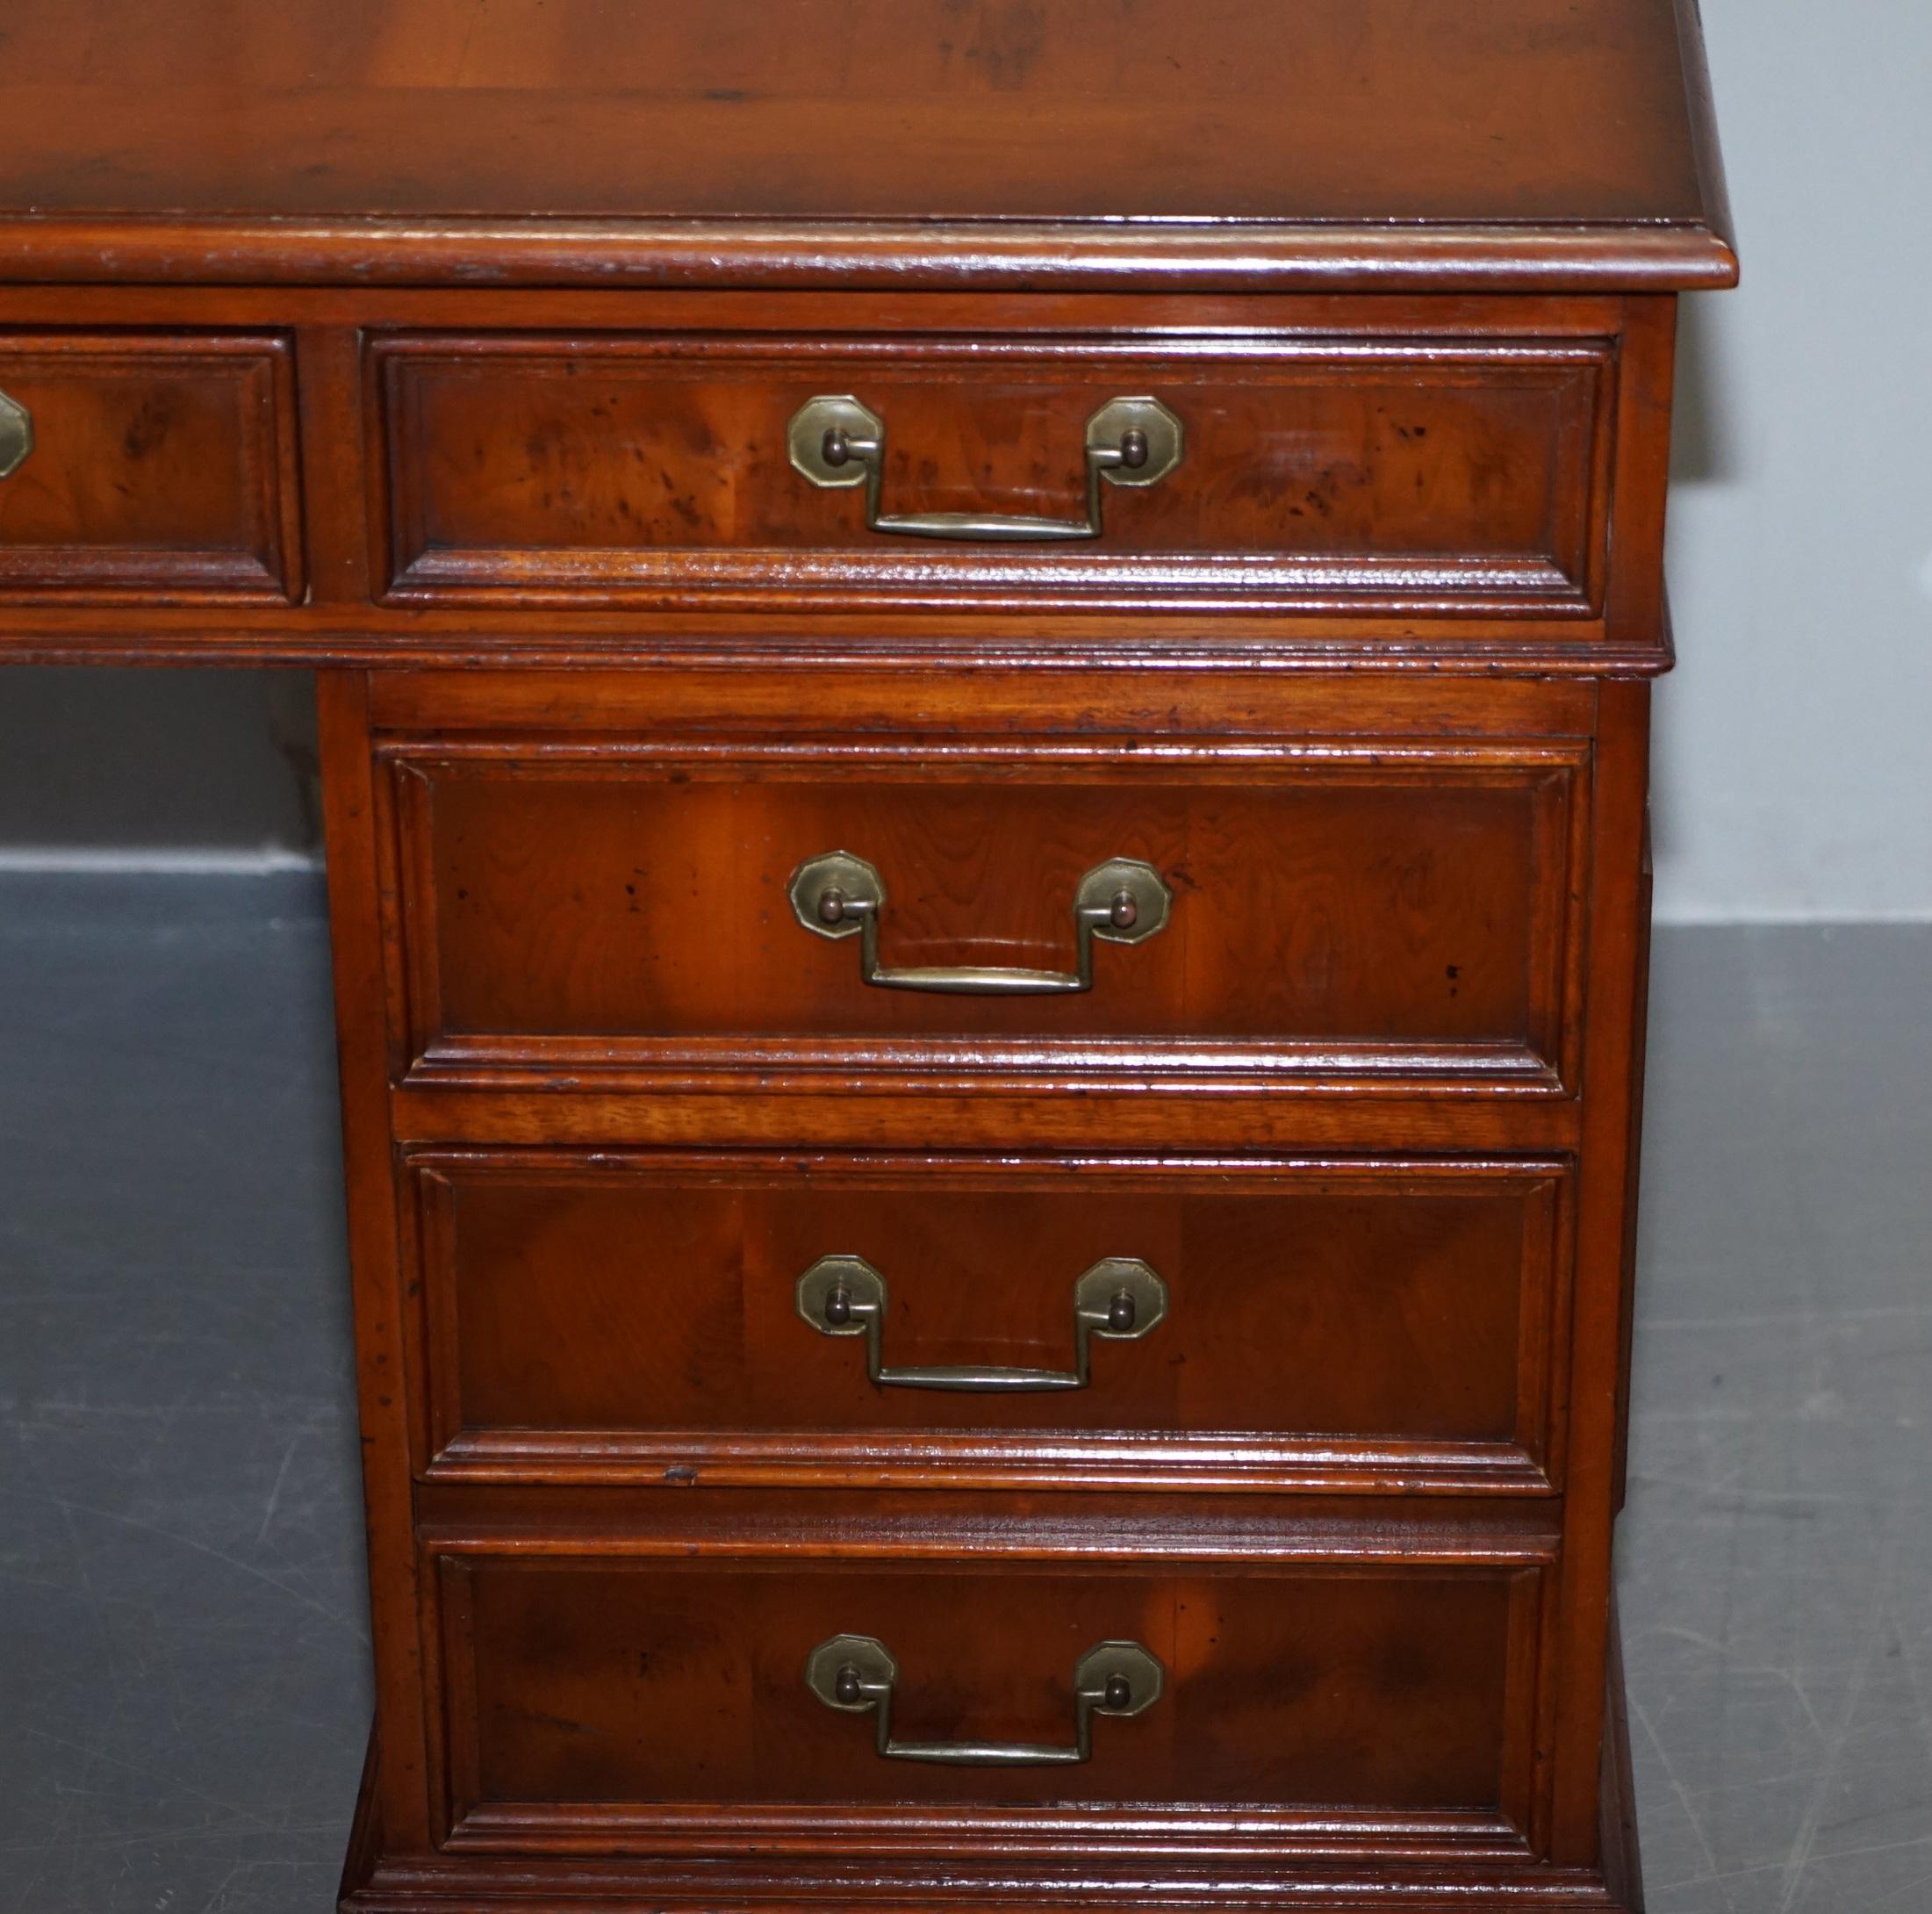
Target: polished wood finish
[
  {"x": 478, "y": 397},
  {"x": 1470, "y": 470},
  {"x": 585, "y": 1694},
  {"x": 1550, "y": 603},
  {"x": 1340, "y": 906},
  {"x": 532, "y": 1486},
  {"x": 163, "y": 468},
  {"x": 631, "y": 1318},
  {"x": 818, "y": 138},
  {"x": 379, "y": 1287}
]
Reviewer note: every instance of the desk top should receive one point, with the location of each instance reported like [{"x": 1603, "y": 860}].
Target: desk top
[{"x": 1332, "y": 143}]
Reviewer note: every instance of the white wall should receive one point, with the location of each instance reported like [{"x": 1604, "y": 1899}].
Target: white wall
[{"x": 1794, "y": 759}]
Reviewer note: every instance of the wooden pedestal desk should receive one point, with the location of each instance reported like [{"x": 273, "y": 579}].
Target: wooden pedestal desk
[{"x": 985, "y": 676}]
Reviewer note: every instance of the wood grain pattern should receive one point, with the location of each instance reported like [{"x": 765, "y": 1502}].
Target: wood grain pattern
[
  {"x": 1315, "y": 616},
  {"x": 856, "y": 127},
  {"x": 600, "y": 469},
  {"x": 1048, "y": 1107},
  {"x": 995, "y": 696},
  {"x": 593, "y": 732},
  {"x": 1361, "y": 908},
  {"x": 576, "y": 1685},
  {"x": 471, "y": 391},
  {"x": 1316, "y": 1863},
  {"x": 1619, "y": 927},
  {"x": 623, "y": 1318},
  {"x": 163, "y": 468},
  {"x": 378, "y": 1284}
]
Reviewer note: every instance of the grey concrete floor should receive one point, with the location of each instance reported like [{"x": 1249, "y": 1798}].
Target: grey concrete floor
[{"x": 183, "y": 1687}]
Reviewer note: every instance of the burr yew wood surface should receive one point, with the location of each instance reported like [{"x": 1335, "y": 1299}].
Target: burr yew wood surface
[
  {"x": 1561, "y": 120},
  {"x": 620, "y": 1317},
  {"x": 474, "y": 841},
  {"x": 1405, "y": 908},
  {"x": 455, "y": 346},
  {"x": 606, "y": 1687},
  {"x": 1386, "y": 482},
  {"x": 163, "y": 465},
  {"x": 1471, "y": 469}
]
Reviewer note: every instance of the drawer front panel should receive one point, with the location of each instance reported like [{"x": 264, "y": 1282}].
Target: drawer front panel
[
  {"x": 159, "y": 464},
  {"x": 1468, "y": 472},
  {"x": 591, "y": 1702},
  {"x": 1319, "y": 1325},
  {"x": 1348, "y": 910}
]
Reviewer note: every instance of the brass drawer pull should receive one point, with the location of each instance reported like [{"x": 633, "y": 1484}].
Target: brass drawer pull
[
  {"x": 15, "y": 435},
  {"x": 1120, "y": 1298},
  {"x": 856, "y": 1674},
  {"x": 1120, "y": 901},
  {"x": 834, "y": 440}
]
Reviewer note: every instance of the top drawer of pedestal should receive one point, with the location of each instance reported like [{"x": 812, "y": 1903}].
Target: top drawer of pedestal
[{"x": 1463, "y": 474}]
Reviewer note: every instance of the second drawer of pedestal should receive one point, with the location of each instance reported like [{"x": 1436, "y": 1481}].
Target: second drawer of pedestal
[{"x": 1186, "y": 1323}]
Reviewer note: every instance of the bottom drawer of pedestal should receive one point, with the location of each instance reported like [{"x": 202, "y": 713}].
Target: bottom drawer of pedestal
[{"x": 598, "y": 1704}]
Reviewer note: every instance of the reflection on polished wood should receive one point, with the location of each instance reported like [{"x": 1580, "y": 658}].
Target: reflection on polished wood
[
  {"x": 599, "y": 1317},
  {"x": 456, "y": 348}
]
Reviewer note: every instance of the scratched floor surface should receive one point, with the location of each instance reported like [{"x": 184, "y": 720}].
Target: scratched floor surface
[
  {"x": 1776, "y": 1553},
  {"x": 184, "y": 1694}
]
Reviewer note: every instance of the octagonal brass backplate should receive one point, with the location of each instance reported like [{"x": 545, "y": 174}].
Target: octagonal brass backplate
[
  {"x": 1126, "y": 1661},
  {"x": 15, "y": 435},
  {"x": 869, "y": 1664},
  {"x": 1147, "y": 416},
  {"x": 838, "y": 875},
  {"x": 811, "y": 432},
  {"x": 1126, "y": 876}
]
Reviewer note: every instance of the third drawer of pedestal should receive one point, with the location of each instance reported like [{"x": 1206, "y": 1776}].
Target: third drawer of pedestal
[{"x": 739, "y": 1317}]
